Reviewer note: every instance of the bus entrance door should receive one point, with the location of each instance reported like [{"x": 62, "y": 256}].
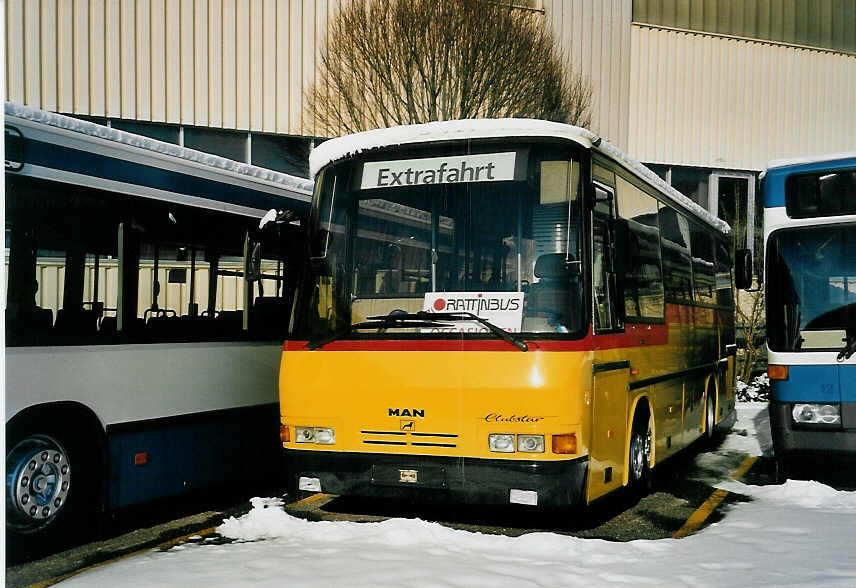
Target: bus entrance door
[{"x": 609, "y": 415}]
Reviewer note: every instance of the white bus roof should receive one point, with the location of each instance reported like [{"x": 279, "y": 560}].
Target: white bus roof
[
  {"x": 352, "y": 145},
  {"x": 810, "y": 159},
  {"x": 99, "y": 140}
]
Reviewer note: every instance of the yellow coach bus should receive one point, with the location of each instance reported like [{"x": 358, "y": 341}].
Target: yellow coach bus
[{"x": 501, "y": 311}]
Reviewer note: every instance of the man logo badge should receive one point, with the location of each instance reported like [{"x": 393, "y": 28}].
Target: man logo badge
[{"x": 408, "y": 425}]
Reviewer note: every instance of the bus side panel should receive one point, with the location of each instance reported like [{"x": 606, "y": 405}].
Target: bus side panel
[
  {"x": 666, "y": 403},
  {"x": 155, "y": 459}
]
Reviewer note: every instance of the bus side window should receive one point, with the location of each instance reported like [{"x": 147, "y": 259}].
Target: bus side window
[
  {"x": 643, "y": 279},
  {"x": 675, "y": 247},
  {"x": 603, "y": 282},
  {"x": 704, "y": 275}
]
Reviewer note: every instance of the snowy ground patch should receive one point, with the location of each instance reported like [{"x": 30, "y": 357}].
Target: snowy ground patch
[{"x": 796, "y": 534}]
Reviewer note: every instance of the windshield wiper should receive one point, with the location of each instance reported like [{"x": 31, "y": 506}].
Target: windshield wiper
[
  {"x": 385, "y": 322},
  {"x": 454, "y": 317}
]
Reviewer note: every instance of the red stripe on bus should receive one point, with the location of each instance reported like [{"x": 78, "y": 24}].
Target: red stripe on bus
[{"x": 634, "y": 336}]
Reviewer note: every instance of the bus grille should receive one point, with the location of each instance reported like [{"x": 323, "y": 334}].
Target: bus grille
[{"x": 399, "y": 438}]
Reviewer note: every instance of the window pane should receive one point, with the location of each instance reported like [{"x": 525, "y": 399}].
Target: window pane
[
  {"x": 723, "y": 276},
  {"x": 643, "y": 281},
  {"x": 167, "y": 133},
  {"x": 677, "y": 263},
  {"x": 289, "y": 155},
  {"x": 704, "y": 278},
  {"x": 229, "y": 144}
]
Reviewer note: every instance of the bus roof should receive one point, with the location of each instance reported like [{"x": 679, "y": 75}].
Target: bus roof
[
  {"x": 807, "y": 161},
  {"x": 65, "y": 149},
  {"x": 352, "y": 145}
]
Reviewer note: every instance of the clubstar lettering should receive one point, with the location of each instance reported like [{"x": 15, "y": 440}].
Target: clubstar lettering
[
  {"x": 500, "y": 418},
  {"x": 442, "y": 175}
]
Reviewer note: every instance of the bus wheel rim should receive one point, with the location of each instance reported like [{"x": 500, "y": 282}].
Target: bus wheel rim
[
  {"x": 38, "y": 478},
  {"x": 640, "y": 451}
]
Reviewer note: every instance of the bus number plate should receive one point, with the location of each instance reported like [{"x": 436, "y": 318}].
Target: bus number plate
[{"x": 408, "y": 476}]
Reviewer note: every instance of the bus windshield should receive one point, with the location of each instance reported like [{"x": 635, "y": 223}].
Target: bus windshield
[
  {"x": 490, "y": 230},
  {"x": 811, "y": 288}
]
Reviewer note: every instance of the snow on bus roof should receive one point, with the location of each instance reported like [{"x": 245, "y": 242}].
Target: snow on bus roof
[
  {"x": 352, "y": 145},
  {"x": 810, "y": 159},
  {"x": 294, "y": 183}
]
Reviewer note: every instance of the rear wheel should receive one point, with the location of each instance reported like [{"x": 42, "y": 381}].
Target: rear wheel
[
  {"x": 639, "y": 462},
  {"x": 710, "y": 413}
]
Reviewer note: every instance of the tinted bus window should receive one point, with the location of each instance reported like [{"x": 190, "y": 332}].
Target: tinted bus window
[
  {"x": 643, "y": 284},
  {"x": 704, "y": 276},
  {"x": 826, "y": 193},
  {"x": 723, "y": 275},
  {"x": 677, "y": 263}
]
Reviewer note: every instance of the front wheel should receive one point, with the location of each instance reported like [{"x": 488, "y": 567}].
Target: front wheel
[
  {"x": 38, "y": 479},
  {"x": 640, "y": 479},
  {"x": 51, "y": 488}
]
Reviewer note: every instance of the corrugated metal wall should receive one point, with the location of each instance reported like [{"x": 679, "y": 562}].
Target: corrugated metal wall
[
  {"x": 665, "y": 96},
  {"x": 221, "y": 63},
  {"x": 817, "y": 23},
  {"x": 596, "y": 36},
  {"x": 714, "y": 102}
]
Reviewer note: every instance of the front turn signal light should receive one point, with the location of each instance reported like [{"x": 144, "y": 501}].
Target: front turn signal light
[
  {"x": 566, "y": 443},
  {"x": 777, "y": 372},
  {"x": 284, "y": 434}
]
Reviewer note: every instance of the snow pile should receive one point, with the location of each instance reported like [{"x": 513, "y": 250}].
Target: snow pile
[
  {"x": 757, "y": 390},
  {"x": 351, "y": 145},
  {"x": 796, "y": 534}
]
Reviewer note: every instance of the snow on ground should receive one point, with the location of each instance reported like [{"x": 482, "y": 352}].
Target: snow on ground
[{"x": 796, "y": 534}]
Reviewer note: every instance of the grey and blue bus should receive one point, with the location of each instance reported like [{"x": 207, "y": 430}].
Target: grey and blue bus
[
  {"x": 810, "y": 286},
  {"x": 141, "y": 364}
]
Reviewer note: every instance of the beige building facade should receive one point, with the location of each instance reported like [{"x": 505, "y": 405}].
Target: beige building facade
[{"x": 702, "y": 84}]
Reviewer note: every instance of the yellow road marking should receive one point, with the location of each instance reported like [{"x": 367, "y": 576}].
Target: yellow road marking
[
  {"x": 309, "y": 499},
  {"x": 164, "y": 545},
  {"x": 705, "y": 510}
]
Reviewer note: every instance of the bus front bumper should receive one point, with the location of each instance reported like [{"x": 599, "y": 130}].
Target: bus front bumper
[
  {"x": 790, "y": 440},
  {"x": 458, "y": 479}
]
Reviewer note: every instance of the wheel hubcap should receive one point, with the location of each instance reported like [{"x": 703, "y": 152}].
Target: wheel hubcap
[
  {"x": 640, "y": 453},
  {"x": 38, "y": 478}
]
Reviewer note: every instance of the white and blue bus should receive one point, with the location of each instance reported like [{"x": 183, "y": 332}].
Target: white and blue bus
[
  {"x": 140, "y": 363},
  {"x": 810, "y": 267}
]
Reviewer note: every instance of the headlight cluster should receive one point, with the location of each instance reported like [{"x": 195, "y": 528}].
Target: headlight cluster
[
  {"x": 817, "y": 414},
  {"x": 505, "y": 443},
  {"x": 320, "y": 435}
]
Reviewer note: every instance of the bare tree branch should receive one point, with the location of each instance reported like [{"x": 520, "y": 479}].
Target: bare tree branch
[{"x": 393, "y": 62}]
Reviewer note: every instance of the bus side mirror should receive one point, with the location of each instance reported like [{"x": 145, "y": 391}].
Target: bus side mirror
[{"x": 743, "y": 269}]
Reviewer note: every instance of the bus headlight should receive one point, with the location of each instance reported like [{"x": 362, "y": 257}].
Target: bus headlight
[
  {"x": 501, "y": 443},
  {"x": 321, "y": 435},
  {"x": 530, "y": 443},
  {"x": 817, "y": 414},
  {"x": 325, "y": 436}
]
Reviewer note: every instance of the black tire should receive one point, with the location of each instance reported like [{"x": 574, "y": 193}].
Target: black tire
[
  {"x": 710, "y": 414},
  {"x": 52, "y": 488},
  {"x": 640, "y": 479}
]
